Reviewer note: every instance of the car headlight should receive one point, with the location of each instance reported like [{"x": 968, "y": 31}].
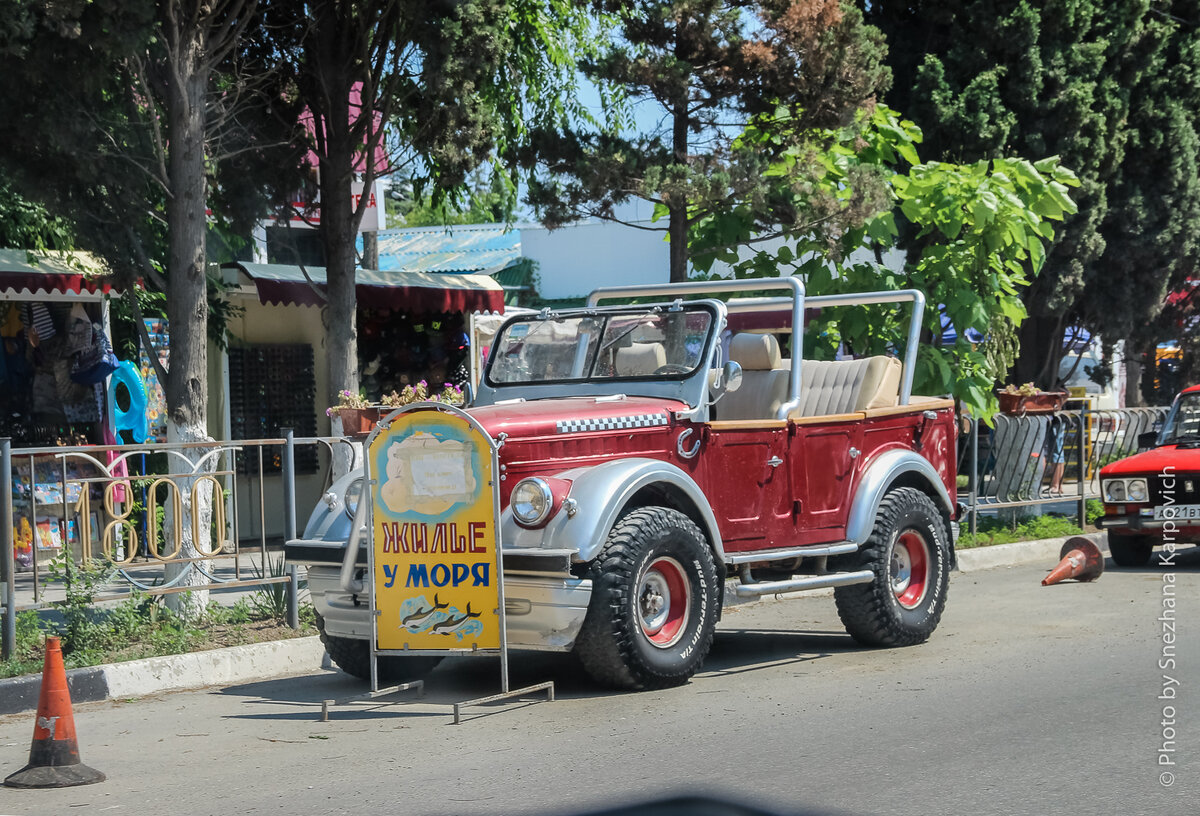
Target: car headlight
[
  {"x": 350, "y": 497},
  {"x": 1126, "y": 490},
  {"x": 531, "y": 501},
  {"x": 1135, "y": 490},
  {"x": 1114, "y": 490}
]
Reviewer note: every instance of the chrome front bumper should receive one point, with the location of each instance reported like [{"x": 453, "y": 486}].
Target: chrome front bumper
[{"x": 541, "y": 613}]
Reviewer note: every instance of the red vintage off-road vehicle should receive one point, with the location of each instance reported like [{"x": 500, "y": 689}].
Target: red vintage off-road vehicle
[{"x": 653, "y": 465}]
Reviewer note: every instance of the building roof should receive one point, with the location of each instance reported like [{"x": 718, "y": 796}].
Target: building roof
[
  {"x": 415, "y": 292},
  {"x": 485, "y": 248},
  {"x": 52, "y": 275}
]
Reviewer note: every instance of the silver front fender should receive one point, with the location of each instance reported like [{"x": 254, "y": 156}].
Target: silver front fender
[
  {"x": 881, "y": 474},
  {"x": 601, "y": 493}
]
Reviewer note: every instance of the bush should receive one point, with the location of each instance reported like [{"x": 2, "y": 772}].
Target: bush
[{"x": 1000, "y": 531}]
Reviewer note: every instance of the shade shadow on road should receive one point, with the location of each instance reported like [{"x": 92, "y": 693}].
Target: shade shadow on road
[
  {"x": 457, "y": 679},
  {"x": 738, "y": 651}
]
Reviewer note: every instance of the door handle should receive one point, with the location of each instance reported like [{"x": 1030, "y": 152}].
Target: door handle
[{"x": 774, "y": 461}]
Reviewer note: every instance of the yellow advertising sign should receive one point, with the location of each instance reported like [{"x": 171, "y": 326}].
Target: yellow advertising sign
[{"x": 434, "y": 536}]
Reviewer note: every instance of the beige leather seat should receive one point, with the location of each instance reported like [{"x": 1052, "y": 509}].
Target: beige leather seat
[
  {"x": 764, "y": 379},
  {"x": 639, "y": 360},
  {"x": 845, "y": 386}
]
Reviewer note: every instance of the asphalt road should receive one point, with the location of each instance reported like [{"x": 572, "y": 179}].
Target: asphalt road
[{"x": 1027, "y": 700}]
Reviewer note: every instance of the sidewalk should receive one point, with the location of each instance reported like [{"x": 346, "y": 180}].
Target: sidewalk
[{"x": 261, "y": 661}]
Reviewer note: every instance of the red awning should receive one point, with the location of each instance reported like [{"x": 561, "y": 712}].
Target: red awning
[
  {"x": 413, "y": 292},
  {"x": 71, "y": 273}
]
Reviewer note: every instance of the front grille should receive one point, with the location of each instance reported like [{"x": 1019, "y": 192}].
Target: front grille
[{"x": 1183, "y": 488}]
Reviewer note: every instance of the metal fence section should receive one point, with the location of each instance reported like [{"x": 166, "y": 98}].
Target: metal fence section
[
  {"x": 1041, "y": 459},
  {"x": 125, "y": 506}
]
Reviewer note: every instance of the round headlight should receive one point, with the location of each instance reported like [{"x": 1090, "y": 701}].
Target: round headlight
[
  {"x": 1114, "y": 491},
  {"x": 350, "y": 497},
  {"x": 531, "y": 501},
  {"x": 1135, "y": 490}
]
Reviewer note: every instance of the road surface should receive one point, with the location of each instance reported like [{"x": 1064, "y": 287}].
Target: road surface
[{"x": 1027, "y": 700}]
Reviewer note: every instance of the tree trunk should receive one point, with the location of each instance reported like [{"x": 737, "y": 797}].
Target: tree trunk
[
  {"x": 187, "y": 301},
  {"x": 370, "y": 250},
  {"x": 677, "y": 205},
  {"x": 1041, "y": 350},
  {"x": 1133, "y": 374}
]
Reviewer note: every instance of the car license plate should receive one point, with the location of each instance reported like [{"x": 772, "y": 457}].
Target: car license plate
[{"x": 1178, "y": 512}]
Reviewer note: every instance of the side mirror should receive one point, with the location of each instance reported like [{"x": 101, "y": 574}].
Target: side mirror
[
  {"x": 1147, "y": 440},
  {"x": 732, "y": 376}
]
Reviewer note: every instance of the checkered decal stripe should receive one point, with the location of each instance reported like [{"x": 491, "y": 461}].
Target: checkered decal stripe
[{"x": 611, "y": 423}]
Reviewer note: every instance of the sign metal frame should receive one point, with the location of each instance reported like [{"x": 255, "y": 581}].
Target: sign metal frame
[{"x": 372, "y": 483}]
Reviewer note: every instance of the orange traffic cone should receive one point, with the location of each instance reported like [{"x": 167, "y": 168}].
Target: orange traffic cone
[
  {"x": 1081, "y": 560},
  {"x": 54, "y": 757}
]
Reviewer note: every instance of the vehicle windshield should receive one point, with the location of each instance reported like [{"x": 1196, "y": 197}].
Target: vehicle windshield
[
  {"x": 1183, "y": 421},
  {"x": 601, "y": 346}
]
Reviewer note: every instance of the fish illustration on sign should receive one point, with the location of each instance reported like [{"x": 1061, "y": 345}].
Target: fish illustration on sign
[
  {"x": 418, "y": 620},
  {"x": 453, "y": 624}
]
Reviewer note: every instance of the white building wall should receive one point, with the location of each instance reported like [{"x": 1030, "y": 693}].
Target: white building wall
[{"x": 574, "y": 260}]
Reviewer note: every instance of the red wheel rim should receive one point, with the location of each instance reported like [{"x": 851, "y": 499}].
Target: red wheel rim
[
  {"x": 910, "y": 569},
  {"x": 664, "y": 600}
]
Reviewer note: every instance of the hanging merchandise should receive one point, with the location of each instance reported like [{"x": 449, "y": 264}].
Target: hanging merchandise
[
  {"x": 39, "y": 326},
  {"x": 156, "y": 400},
  {"x": 96, "y": 361},
  {"x": 127, "y": 388}
]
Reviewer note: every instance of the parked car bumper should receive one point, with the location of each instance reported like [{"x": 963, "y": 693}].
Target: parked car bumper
[
  {"x": 1133, "y": 524},
  {"x": 541, "y": 613}
]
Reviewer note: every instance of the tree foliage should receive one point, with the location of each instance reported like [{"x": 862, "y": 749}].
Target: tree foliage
[
  {"x": 123, "y": 118},
  {"x": 28, "y": 225},
  {"x": 448, "y": 82},
  {"x": 975, "y": 238},
  {"x": 1111, "y": 88},
  {"x": 707, "y": 67}
]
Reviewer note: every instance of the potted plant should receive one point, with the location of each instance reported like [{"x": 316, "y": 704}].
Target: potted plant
[
  {"x": 1029, "y": 399},
  {"x": 359, "y": 417}
]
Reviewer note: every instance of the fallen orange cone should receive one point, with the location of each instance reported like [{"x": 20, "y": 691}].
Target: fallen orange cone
[
  {"x": 54, "y": 757},
  {"x": 1081, "y": 560}
]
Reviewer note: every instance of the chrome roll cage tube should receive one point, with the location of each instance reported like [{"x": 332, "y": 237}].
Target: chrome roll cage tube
[
  {"x": 798, "y": 302},
  {"x": 346, "y": 578}
]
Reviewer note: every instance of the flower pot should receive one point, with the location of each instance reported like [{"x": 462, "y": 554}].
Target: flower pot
[
  {"x": 359, "y": 421},
  {"x": 1043, "y": 402}
]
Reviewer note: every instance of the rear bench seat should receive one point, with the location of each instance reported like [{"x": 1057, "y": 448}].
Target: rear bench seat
[{"x": 828, "y": 387}]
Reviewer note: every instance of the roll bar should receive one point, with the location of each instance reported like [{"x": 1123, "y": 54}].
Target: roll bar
[{"x": 797, "y": 301}]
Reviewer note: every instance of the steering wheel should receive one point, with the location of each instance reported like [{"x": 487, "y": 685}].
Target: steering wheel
[{"x": 671, "y": 368}]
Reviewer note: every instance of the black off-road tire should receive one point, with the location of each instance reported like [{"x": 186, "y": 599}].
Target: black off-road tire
[
  {"x": 909, "y": 539},
  {"x": 1130, "y": 550},
  {"x": 654, "y": 602},
  {"x": 353, "y": 656}
]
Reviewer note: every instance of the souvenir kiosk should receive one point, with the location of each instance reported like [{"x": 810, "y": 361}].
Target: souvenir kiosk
[{"x": 55, "y": 368}]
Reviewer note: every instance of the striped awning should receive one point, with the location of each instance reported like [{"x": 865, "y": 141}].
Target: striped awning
[
  {"x": 51, "y": 275},
  {"x": 414, "y": 292}
]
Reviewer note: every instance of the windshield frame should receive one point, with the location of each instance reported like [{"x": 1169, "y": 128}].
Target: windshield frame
[
  {"x": 606, "y": 336},
  {"x": 1168, "y": 435},
  {"x": 691, "y": 388}
]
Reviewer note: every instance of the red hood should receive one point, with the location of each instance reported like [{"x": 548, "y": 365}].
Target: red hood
[
  {"x": 1156, "y": 461},
  {"x": 542, "y": 417}
]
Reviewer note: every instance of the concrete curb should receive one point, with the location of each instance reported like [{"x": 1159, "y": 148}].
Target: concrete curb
[
  {"x": 1045, "y": 550},
  {"x": 138, "y": 678},
  {"x": 263, "y": 661}
]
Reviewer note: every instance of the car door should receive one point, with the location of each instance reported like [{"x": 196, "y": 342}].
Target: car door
[
  {"x": 822, "y": 452},
  {"x": 746, "y": 481}
]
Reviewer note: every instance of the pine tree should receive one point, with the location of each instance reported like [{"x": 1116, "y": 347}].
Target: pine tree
[
  {"x": 1106, "y": 85},
  {"x": 708, "y": 67}
]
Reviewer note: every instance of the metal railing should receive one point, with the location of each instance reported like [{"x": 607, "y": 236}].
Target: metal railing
[
  {"x": 132, "y": 507},
  {"x": 1013, "y": 464}
]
